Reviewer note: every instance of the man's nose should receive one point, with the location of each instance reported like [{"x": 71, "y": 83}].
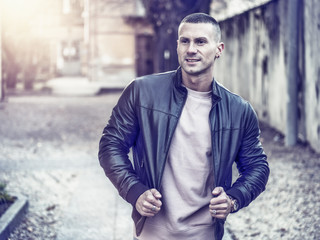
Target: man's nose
[{"x": 192, "y": 48}]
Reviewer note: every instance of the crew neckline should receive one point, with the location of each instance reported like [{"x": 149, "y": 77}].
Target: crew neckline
[{"x": 198, "y": 94}]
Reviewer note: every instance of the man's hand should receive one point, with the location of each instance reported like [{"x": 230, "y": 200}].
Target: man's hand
[
  {"x": 149, "y": 204},
  {"x": 220, "y": 204}
]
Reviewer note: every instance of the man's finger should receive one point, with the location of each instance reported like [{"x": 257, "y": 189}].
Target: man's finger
[
  {"x": 222, "y": 207},
  {"x": 156, "y": 193},
  {"x": 218, "y": 200},
  {"x": 217, "y": 191},
  {"x": 153, "y": 198},
  {"x": 150, "y": 207}
]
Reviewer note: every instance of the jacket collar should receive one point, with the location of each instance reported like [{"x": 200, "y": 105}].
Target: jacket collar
[
  {"x": 178, "y": 84},
  {"x": 215, "y": 94}
]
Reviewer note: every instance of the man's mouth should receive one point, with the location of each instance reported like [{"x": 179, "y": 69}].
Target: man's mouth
[{"x": 192, "y": 60}]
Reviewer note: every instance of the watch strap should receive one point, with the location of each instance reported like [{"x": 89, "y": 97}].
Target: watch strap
[{"x": 234, "y": 204}]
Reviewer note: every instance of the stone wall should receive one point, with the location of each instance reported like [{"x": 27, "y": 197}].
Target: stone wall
[
  {"x": 312, "y": 71},
  {"x": 254, "y": 64},
  {"x": 1, "y": 84}
]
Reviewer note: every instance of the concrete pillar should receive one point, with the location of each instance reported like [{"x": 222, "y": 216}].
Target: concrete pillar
[
  {"x": 292, "y": 73},
  {"x": 1, "y": 81}
]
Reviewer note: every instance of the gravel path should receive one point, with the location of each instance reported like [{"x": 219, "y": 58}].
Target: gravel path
[
  {"x": 46, "y": 141},
  {"x": 45, "y": 144},
  {"x": 289, "y": 209}
]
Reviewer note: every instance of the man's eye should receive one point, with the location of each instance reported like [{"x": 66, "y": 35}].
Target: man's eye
[
  {"x": 184, "y": 41},
  {"x": 200, "y": 42}
]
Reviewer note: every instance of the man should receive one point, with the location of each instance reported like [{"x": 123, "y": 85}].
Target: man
[{"x": 185, "y": 131}]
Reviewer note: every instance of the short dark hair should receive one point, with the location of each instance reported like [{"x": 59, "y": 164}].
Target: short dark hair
[{"x": 203, "y": 18}]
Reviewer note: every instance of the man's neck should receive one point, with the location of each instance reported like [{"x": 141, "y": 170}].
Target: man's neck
[{"x": 200, "y": 83}]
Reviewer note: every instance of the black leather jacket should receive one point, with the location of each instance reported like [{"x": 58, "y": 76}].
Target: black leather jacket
[{"x": 145, "y": 119}]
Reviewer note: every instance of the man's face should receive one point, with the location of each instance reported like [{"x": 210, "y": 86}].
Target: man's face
[{"x": 197, "y": 48}]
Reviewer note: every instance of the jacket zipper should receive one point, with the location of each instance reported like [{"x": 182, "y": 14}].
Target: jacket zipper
[
  {"x": 212, "y": 144},
  {"x": 170, "y": 138},
  {"x": 213, "y": 153}
]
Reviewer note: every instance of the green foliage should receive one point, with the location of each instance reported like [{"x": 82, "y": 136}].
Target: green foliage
[{"x": 4, "y": 196}]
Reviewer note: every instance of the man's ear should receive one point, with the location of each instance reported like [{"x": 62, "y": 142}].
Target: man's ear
[
  {"x": 219, "y": 50},
  {"x": 221, "y": 47}
]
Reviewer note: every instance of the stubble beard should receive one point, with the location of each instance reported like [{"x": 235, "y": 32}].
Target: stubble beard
[{"x": 195, "y": 70}]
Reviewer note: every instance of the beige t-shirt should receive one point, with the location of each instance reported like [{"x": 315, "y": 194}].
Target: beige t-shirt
[{"x": 188, "y": 178}]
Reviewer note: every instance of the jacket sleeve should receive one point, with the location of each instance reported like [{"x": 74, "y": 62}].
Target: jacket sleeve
[
  {"x": 251, "y": 163},
  {"x": 118, "y": 137}
]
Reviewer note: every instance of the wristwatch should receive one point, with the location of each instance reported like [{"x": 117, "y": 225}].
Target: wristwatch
[{"x": 234, "y": 204}]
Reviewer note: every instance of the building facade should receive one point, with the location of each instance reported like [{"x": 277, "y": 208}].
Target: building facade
[{"x": 114, "y": 36}]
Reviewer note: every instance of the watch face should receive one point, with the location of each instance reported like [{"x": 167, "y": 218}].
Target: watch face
[{"x": 235, "y": 205}]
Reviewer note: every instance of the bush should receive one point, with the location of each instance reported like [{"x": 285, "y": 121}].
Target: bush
[{"x": 4, "y": 196}]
